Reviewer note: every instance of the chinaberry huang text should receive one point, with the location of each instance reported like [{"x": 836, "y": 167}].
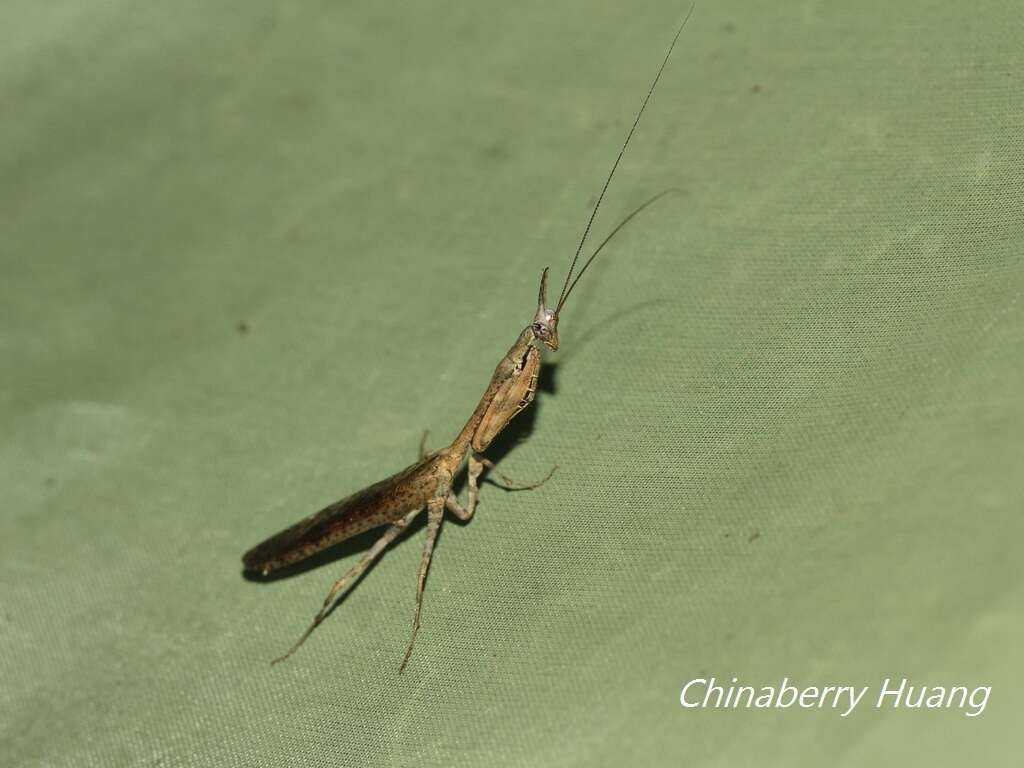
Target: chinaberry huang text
[{"x": 711, "y": 693}]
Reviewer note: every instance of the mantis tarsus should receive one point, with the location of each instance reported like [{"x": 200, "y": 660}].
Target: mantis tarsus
[{"x": 397, "y": 500}]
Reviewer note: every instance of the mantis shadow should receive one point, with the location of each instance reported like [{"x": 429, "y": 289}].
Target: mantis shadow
[{"x": 596, "y": 329}]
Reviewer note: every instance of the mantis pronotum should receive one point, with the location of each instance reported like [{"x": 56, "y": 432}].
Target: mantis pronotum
[{"x": 397, "y": 500}]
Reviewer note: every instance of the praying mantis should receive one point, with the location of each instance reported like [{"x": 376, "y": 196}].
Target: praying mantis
[{"x": 396, "y": 501}]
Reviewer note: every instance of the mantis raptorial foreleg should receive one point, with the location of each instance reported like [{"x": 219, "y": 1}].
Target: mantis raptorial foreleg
[
  {"x": 392, "y": 533},
  {"x": 477, "y": 464},
  {"x": 452, "y": 502},
  {"x": 508, "y": 483}
]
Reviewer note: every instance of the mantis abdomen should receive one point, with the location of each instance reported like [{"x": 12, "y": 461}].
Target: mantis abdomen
[{"x": 379, "y": 504}]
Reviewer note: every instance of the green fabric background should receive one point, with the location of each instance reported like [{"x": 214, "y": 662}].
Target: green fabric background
[{"x": 787, "y": 408}]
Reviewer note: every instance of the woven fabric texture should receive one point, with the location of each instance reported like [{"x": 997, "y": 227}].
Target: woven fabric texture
[{"x": 250, "y": 251}]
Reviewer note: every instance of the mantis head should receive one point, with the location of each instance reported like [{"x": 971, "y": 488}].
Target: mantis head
[{"x": 545, "y": 322}]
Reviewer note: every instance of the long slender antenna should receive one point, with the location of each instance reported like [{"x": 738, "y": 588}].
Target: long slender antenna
[
  {"x": 612, "y": 234},
  {"x": 615, "y": 165}
]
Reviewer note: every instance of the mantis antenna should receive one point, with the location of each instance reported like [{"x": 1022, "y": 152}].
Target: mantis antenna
[{"x": 567, "y": 286}]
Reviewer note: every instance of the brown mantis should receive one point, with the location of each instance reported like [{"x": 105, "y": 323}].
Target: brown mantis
[{"x": 397, "y": 500}]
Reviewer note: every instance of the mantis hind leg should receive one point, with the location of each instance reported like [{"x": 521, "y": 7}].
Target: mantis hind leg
[
  {"x": 435, "y": 516},
  {"x": 392, "y": 533}
]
